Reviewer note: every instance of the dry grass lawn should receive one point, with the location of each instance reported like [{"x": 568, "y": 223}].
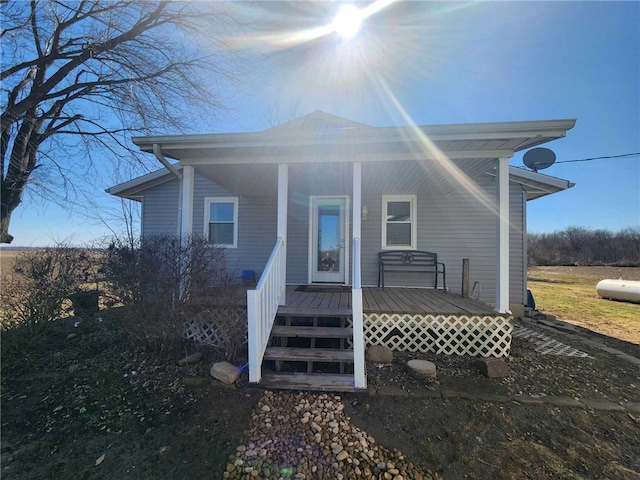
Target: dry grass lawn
[
  {"x": 569, "y": 293},
  {"x": 7, "y": 258}
]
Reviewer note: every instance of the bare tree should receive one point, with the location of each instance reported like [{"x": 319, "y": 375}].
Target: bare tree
[
  {"x": 81, "y": 75},
  {"x": 583, "y": 246}
]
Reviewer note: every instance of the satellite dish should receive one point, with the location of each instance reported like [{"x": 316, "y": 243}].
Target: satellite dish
[{"x": 539, "y": 158}]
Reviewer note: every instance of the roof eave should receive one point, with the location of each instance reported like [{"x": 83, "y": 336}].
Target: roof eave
[
  {"x": 130, "y": 188},
  {"x": 531, "y": 132},
  {"x": 537, "y": 185}
]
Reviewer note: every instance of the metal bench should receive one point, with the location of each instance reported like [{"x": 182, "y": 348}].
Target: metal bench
[{"x": 411, "y": 261}]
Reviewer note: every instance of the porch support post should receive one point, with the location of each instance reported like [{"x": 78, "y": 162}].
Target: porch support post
[
  {"x": 502, "y": 245},
  {"x": 186, "y": 213},
  {"x": 283, "y": 196},
  {"x": 357, "y": 202},
  {"x": 359, "y": 370}
]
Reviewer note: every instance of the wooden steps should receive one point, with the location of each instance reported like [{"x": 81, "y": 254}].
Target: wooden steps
[
  {"x": 309, "y": 352},
  {"x": 311, "y": 332},
  {"x": 292, "y": 354},
  {"x": 313, "y": 312},
  {"x": 321, "y": 382}
]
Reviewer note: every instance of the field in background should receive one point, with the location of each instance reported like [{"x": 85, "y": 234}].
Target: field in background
[
  {"x": 7, "y": 257},
  {"x": 569, "y": 293}
]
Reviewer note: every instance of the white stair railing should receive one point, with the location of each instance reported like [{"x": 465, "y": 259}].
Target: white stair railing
[
  {"x": 262, "y": 307},
  {"x": 360, "y": 377}
]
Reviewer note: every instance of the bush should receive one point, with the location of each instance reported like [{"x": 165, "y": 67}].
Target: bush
[
  {"x": 161, "y": 279},
  {"x": 162, "y": 267},
  {"x": 36, "y": 292}
]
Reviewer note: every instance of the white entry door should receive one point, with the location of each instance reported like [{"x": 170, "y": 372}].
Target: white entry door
[{"x": 328, "y": 257}]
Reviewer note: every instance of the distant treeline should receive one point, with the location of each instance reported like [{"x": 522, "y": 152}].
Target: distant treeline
[{"x": 583, "y": 246}]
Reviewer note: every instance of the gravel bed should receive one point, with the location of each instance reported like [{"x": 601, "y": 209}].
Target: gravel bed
[{"x": 308, "y": 436}]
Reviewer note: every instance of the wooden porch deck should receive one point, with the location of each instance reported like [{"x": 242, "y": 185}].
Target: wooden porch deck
[{"x": 336, "y": 301}]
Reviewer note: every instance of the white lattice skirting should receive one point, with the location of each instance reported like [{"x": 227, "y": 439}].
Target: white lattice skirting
[
  {"x": 474, "y": 335},
  {"x": 216, "y": 326}
]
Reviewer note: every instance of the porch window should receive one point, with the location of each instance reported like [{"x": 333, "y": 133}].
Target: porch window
[
  {"x": 221, "y": 221},
  {"x": 399, "y": 222}
]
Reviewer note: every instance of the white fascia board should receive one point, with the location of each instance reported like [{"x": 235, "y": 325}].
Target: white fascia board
[
  {"x": 508, "y": 129},
  {"x": 129, "y": 188},
  {"x": 536, "y": 184},
  {"x": 346, "y": 136},
  {"x": 554, "y": 182},
  {"x": 345, "y": 157}
]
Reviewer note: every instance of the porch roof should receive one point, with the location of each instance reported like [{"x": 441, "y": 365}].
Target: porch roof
[
  {"x": 536, "y": 185},
  {"x": 319, "y": 137},
  {"x": 322, "y": 137}
]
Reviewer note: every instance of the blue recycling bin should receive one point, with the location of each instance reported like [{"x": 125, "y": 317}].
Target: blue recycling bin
[{"x": 249, "y": 277}]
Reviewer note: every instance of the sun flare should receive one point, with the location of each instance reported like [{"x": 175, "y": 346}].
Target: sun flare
[{"x": 347, "y": 21}]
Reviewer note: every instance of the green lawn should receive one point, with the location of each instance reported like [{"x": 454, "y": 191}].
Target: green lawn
[{"x": 569, "y": 293}]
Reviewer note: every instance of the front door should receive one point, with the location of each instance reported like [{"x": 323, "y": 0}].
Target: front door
[{"x": 328, "y": 253}]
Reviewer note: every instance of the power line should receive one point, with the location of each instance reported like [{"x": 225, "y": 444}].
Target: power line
[{"x": 624, "y": 155}]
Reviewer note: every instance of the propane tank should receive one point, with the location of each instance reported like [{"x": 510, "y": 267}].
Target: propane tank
[{"x": 625, "y": 290}]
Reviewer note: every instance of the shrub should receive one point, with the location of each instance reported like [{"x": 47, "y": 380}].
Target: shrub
[
  {"x": 160, "y": 279},
  {"x": 36, "y": 292},
  {"x": 164, "y": 267}
]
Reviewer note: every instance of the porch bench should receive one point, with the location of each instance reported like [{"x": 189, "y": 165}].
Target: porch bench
[{"x": 411, "y": 261}]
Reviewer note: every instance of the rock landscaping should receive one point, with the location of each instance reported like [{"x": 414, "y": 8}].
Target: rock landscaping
[
  {"x": 225, "y": 372},
  {"x": 421, "y": 369},
  {"x": 379, "y": 354},
  {"x": 309, "y": 436}
]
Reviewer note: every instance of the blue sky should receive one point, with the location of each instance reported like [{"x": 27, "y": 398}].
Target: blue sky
[{"x": 445, "y": 62}]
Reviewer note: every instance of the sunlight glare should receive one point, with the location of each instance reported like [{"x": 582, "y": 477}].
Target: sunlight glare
[{"x": 347, "y": 21}]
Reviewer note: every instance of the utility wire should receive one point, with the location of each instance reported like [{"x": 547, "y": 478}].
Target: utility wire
[{"x": 624, "y": 155}]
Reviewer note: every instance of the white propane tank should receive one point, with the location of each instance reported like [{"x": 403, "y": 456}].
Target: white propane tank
[{"x": 626, "y": 290}]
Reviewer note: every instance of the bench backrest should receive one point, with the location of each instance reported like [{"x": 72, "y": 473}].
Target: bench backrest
[{"x": 411, "y": 259}]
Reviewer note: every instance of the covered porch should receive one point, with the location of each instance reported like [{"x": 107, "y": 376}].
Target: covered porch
[
  {"x": 336, "y": 300},
  {"x": 403, "y": 320},
  {"x": 412, "y": 319}
]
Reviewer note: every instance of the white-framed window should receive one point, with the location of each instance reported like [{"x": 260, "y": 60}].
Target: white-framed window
[
  {"x": 399, "y": 230},
  {"x": 221, "y": 221}
]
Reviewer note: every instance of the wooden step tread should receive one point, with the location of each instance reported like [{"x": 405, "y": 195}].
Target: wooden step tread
[
  {"x": 323, "y": 382},
  {"x": 309, "y": 332},
  {"x": 314, "y": 312},
  {"x": 308, "y": 354}
]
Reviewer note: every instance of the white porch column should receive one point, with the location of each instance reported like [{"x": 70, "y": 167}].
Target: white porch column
[
  {"x": 186, "y": 213},
  {"x": 283, "y": 197},
  {"x": 357, "y": 202},
  {"x": 359, "y": 370},
  {"x": 502, "y": 245}
]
